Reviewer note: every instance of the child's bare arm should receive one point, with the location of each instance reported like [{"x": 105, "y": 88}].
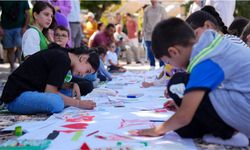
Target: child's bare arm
[
  {"x": 181, "y": 118},
  {"x": 111, "y": 63},
  {"x": 68, "y": 101}
]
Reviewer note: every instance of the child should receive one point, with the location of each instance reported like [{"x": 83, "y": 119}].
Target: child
[
  {"x": 201, "y": 21},
  {"x": 167, "y": 72},
  {"x": 61, "y": 36},
  {"x": 33, "y": 39},
  {"x": 245, "y": 36},
  {"x": 102, "y": 72},
  {"x": 216, "y": 99},
  {"x": 34, "y": 86},
  {"x": 112, "y": 60}
]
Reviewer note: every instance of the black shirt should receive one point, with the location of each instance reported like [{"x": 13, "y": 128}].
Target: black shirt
[{"x": 44, "y": 67}]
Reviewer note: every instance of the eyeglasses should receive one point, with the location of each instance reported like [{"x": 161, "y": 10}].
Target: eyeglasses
[{"x": 61, "y": 35}]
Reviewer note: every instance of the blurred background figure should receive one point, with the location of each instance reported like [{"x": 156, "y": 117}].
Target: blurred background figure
[
  {"x": 224, "y": 8},
  {"x": 152, "y": 15},
  {"x": 14, "y": 22},
  {"x": 74, "y": 22}
]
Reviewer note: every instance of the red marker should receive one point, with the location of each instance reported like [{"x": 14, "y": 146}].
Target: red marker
[
  {"x": 92, "y": 133},
  {"x": 101, "y": 137}
]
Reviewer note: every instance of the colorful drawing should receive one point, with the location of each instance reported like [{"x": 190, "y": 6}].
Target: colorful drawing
[
  {"x": 68, "y": 131},
  {"x": 76, "y": 126},
  {"x": 135, "y": 122},
  {"x": 80, "y": 118}
]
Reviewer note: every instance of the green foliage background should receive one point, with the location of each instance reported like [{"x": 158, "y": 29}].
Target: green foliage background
[{"x": 98, "y": 6}]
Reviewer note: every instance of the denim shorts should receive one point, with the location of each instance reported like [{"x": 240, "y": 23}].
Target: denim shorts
[{"x": 12, "y": 38}]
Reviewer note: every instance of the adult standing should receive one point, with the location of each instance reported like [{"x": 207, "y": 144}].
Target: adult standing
[
  {"x": 152, "y": 15},
  {"x": 132, "y": 29},
  {"x": 224, "y": 8},
  {"x": 74, "y": 22},
  {"x": 14, "y": 21}
]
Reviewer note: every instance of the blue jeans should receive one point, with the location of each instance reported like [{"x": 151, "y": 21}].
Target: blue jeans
[
  {"x": 33, "y": 102},
  {"x": 151, "y": 56},
  {"x": 12, "y": 38}
]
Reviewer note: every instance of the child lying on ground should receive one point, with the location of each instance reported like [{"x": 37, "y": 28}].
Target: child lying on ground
[{"x": 34, "y": 86}]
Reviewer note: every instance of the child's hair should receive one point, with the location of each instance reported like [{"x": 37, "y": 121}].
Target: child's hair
[
  {"x": 198, "y": 18},
  {"x": 245, "y": 33},
  {"x": 101, "y": 50},
  {"x": 211, "y": 10},
  {"x": 62, "y": 28},
  {"x": 168, "y": 33},
  {"x": 40, "y": 6},
  {"x": 237, "y": 26},
  {"x": 93, "y": 56}
]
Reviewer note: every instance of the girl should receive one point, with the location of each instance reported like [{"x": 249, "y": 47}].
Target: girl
[
  {"x": 34, "y": 86},
  {"x": 34, "y": 39}
]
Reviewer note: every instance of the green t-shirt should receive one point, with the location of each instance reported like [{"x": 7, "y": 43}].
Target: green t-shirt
[
  {"x": 13, "y": 13},
  {"x": 43, "y": 40}
]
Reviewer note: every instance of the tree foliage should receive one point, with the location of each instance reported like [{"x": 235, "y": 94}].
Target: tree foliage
[
  {"x": 98, "y": 6},
  {"x": 242, "y": 9}
]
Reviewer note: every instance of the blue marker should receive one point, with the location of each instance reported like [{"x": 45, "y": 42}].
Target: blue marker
[
  {"x": 131, "y": 96},
  {"x": 157, "y": 120}
]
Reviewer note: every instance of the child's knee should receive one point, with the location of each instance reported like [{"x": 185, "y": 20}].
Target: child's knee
[{"x": 55, "y": 104}]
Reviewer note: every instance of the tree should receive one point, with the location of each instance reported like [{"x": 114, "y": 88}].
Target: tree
[
  {"x": 98, "y": 6},
  {"x": 242, "y": 9}
]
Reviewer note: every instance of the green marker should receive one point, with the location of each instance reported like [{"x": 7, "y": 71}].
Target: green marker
[
  {"x": 68, "y": 78},
  {"x": 18, "y": 131}
]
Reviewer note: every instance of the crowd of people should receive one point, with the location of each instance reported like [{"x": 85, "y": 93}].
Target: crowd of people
[{"x": 205, "y": 64}]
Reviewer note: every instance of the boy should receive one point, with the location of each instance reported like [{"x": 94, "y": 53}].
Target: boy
[
  {"x": 112, "y": 60},
  {"x": 216, "y": 99}
]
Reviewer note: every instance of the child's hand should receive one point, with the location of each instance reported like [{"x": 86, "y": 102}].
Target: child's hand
[
  {"x": 170, "y": 105},
  {"x": 76, "y": 91},
  {"x": 87, "y": 104},
  {"x": 152, "y": 132},
  {"x": 147, "y": 84},
  {"x": 166, "y": 93}
]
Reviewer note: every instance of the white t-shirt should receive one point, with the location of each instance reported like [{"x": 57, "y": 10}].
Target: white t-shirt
[
  {"x": 30, "y": 42},
  {"x": 111, "y": 56},
  {"x": 225, "y": 8}
]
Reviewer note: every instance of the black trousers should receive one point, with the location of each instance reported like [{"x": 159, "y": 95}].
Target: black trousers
[{"x": 205, "y": 120}]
